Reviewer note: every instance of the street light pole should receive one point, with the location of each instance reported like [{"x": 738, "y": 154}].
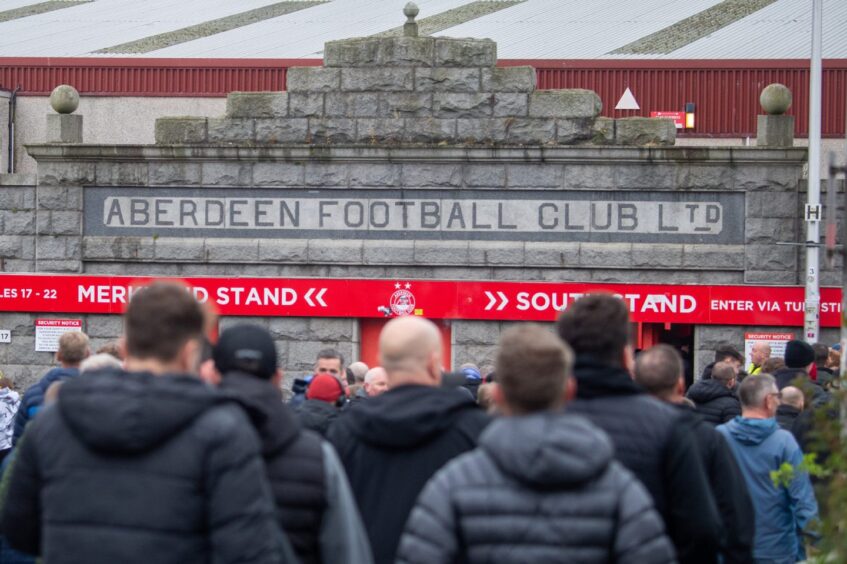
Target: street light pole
[{"x": 811, "y": 324}]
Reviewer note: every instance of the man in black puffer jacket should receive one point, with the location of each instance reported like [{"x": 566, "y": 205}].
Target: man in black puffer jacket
[
  {"x": 661, "y": 372},
  {"x": 392, "y": 444},
  {"x": 543, "y": 486},
  {"x": 147, "y": 465},
  {"x": 314, "y": 504},
  {"x": 724, "y": 353},
  {"x": 790, "y": 408},
  {"x": 653, "y": 440},
  {"x": 715, "y": 399}
]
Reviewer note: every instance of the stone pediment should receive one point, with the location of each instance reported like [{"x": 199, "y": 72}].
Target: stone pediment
[{"x": 414, "y": 90}]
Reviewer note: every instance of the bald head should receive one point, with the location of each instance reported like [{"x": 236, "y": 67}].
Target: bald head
[
  {"x": 376, "y": 381},
  {"x": 410, "y": 351},
  {"x": 760, "y": 352},
  {"x": 359, "y": 369},
  {"x": 762, "y": 347},
  {"x": 659, "y": 370},
  {"x": 793, "y": 396},
  {"x": 724, "y": 372}
]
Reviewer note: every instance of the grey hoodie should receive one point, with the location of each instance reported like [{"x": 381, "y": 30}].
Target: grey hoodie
[{"x": 540, "y": 488}]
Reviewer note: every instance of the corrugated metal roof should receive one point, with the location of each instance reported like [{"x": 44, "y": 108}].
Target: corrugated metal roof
[
  {"x": 575, "y": 29},
  {"x": 535, "y": 29},
  {"x": 303, "y": 34},
  {"x": 38, "y": 8},
  {"x": 210, "y": 27},
  {"x": 431, "y": 25},
  {"x": 81, "y": 29},
  {"x": 780, "y": 31},
  {"x": 13, "y": 4},
  {"x": 691, "y": 29}
]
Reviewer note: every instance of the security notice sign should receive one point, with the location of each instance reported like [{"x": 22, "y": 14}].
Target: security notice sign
[
  {"x": 436, "y": 299},
  {"x": 776, "y": 341},
  {"x": 677, "y": 117},
  {"x": 48, "y": 331}
]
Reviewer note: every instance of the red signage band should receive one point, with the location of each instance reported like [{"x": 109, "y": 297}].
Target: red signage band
[{"x": 532, "y": 301}]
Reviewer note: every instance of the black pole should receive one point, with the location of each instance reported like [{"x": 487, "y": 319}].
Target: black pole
[{"x": 12, "y": 105}]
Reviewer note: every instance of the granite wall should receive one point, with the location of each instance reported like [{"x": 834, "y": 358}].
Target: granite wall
[{"x": 404, "y": 119}]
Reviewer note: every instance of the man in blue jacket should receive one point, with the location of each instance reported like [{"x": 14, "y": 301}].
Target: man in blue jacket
[
  {"x": 760, "y": 446},
  {"x": 73, "y": 349}
]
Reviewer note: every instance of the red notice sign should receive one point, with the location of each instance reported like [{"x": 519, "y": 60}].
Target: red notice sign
[
  {"x": 677, "y": 117},
  {"x": 537, "y": 301}
]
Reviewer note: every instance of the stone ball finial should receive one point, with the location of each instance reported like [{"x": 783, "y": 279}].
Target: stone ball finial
[
  {"x": 411, "y": 10},
  {"x": 410, "y": 28},
  {"x": 775, "y": 99},
  {"x": 64, "y": 99}
]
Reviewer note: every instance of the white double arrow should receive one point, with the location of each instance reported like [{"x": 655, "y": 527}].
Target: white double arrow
[
  {"x": 493, "y": 300},
  {"x": 318, "y": 297}
]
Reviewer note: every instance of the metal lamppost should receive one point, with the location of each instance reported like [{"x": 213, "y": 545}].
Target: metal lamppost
[{"x": 811, "y": 320}]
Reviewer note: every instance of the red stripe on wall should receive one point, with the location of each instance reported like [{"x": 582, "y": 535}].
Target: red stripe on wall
[{"x": 725, "y": 92}]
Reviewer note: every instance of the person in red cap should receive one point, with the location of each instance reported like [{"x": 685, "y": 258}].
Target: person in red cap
[{"x": 324, "y": 399}]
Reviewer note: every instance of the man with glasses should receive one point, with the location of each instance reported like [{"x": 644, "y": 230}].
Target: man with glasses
[{"x": 760, "y": 447}]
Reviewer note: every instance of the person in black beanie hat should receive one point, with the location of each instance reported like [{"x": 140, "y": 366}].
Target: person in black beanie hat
[
  {"x": 314, "y": 504},
  {"x": 799, "y": 357},
  {"x": 799, "y": 354}
]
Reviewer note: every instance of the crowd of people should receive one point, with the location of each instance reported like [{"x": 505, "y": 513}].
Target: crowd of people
[{"x": 171, "y": 449}]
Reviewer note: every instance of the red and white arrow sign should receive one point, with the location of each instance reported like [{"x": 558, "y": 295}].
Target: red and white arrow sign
[
  {"x": 776, "y": 306},
  {"x": 492, "y": 300},
  {"x": 318, "y": 297}
]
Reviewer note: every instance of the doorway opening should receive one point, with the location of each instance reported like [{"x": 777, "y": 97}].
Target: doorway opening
[
  {"x": 680, "y": 336},
  {"x": 369, "y": 330}
]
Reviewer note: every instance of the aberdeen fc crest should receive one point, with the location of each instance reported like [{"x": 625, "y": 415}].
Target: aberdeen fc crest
[{"x": 402, "y": 301}]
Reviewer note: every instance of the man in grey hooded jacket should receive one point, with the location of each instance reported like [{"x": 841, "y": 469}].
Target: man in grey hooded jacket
[{"x": 543, "y": 486}]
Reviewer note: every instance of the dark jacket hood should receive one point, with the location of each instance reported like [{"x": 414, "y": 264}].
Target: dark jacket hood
[
  {"x": 317, "y": 412},
  {"x": 132, "y": 412},
  {"x": 707, "y": 371},
  {"x": 751, "y": 431},
  {"x": 707, "y": 390},
  {"x": 786, "y": 415},
  {"x": 788, "y": 410},
  {"x": 596, "y": 379},
  {"x": 57, "y": 374},
  {"x": 548, "y": 450},
  {"x": 786, "y": 376},
  {"x": 278, "y": 426},
  {"x": 406, "y": 416}
]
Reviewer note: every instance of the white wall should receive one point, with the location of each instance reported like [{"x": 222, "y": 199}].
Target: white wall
[{"x": 106, "y": 119}]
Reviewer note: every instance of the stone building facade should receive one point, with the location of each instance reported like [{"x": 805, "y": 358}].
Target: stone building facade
[{"x": 411, "y": 138}]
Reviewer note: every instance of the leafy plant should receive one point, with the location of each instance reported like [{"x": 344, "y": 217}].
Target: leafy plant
[
  {"x": 786, "y": 473},
  {"x": 826, "y": 462}
]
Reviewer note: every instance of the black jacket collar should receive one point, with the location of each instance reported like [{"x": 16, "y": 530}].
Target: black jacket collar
[
  {"x": 596, "y": 379},
  {"x": 279, "y": 427}
]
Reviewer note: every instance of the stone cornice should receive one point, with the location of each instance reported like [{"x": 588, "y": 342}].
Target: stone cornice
[{"x": 360, "y": 153}]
